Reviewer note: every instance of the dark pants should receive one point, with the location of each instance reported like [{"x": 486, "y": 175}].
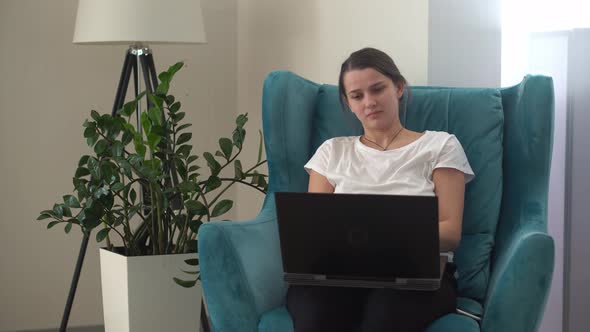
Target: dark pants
[{"x": 315, "y": 308}]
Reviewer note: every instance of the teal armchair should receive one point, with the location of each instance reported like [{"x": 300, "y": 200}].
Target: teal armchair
[{"x": 505, "y": 260}]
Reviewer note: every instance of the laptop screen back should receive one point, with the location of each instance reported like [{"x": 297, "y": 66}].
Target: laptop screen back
[{"x": 358, "y": 235}]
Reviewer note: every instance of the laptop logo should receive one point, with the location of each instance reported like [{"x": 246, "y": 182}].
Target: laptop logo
[{"x": 358, "y": 236}]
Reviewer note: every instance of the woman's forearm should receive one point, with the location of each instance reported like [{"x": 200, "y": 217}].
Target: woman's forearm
[{"x": 449, "y": 235}]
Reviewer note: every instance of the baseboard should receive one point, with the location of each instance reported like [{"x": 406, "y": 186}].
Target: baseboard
[{"x": 97, "y": 328}]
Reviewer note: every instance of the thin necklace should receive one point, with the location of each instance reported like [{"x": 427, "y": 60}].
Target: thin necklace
[{"x": 388, "y": 144}]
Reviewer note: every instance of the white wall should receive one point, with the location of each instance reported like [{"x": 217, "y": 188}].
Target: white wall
[
  {"x": 48, "y": 88},
  {"x": 464, "y": 43},
  {"x": 312, "y": 38}
]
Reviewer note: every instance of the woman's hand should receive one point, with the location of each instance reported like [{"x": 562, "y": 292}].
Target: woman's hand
[{"x": 449, "y": 186}]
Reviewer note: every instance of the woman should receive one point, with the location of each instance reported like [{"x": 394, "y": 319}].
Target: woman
[{"x": 386, "y": 159}]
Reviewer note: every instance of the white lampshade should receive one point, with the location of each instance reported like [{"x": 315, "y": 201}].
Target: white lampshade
[{"x": 139, "y": 21}]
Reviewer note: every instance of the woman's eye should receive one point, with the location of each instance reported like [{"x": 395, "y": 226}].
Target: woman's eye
[
  {"x": 355, "y": 97},
  {"x": 378, "y": 89}
]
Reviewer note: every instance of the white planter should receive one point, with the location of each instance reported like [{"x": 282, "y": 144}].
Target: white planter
[{"x": 138, "y": 293}]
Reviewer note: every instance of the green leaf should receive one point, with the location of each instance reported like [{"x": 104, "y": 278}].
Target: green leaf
[
  {"x": 262, "y": 182},
  {"x": 146, "y": 124},
  {"x": 184, "y": 150},
  {"x": 101, "y": 146},
  {"x": 175, "y": 107},
  {"x": 184, "y": 126},
  {"x": 195, "y": 207},
  {"x": 94, "y": 114},
  {"x": 117, "y": 149},
  {"x": 71, "y": 201},
  {"x": 117, "y": 187},
  {"x": 58, "y": 210},
  {"x": 163, "y": 88},
  {"x": 172, "y": 70},
  {"x": 238, "y": 169},
  {"x": 222, "y": 207},
  {"x": 81, "y": 171},
  {"x": 44, "y": 216},
  {"x": 83, "y": 160},
  {"x": 53, "y": 223},
  {"x": 92, "y": 140},
  {"x": 132, "y": 196},
  {"x": 212, "y": 163},
  {"x": 164, "y": 77},
  {"x": 102, "y": 234},
  {"x": 191, "y": 159},
  {"x": 213, "y": 182},
  {"x": 89, "y": 132},
  {"x": 68, "y": 227},
  {"x": 192, "y": 261},
  {"x": 140, "y": 149},
  {"x": 153, "y": 140},
  {"x": 226, "y": 146},
  {"x": 128, "y": 108},
  {"x": 238, "y": 137},
  {"x": 194, "y": 168},
  {"x": 67, "y": 211},
  {"x": 92, "y": 216},
  {"x": 127, "y": 137},
  {"x": 183, "y": 138},
  {"x": 157, "y": 101},
  {"x": 135, "y": 159},
  {"x": 98, "y": 193},
  {"x": 180, "y": 168},
  {"x": 241, "y": 120},
  {"x": 109, "y": 172},
  {"x": 259, "y": 147},
  {"x": 187, "y": 187},
  {"x": 194, "y": 225},
  {"x": 177, "y": 116},
  {"x": 155, "y": 114},
  {"x": 185, "y": 283},
  {"x": 170, "y": 99}
]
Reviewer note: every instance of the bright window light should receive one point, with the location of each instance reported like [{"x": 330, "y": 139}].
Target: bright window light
[{"x": 520, "y": 18}]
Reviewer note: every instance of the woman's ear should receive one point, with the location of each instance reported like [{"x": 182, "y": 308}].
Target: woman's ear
[{"x": 400, "y": 87}]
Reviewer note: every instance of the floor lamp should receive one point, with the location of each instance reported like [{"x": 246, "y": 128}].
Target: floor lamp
[{"x": 137, "y": 23}]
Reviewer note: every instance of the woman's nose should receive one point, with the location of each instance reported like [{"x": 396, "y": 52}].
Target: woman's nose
[{"x": 370, "y": 102}]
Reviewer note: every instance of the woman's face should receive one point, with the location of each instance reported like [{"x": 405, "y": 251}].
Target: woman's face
[{"x": 373, "y": 97}]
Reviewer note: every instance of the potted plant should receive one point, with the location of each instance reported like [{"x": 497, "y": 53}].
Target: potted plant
[{"x": 145, "y": 195}]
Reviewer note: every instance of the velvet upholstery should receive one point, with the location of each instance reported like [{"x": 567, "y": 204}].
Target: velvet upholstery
[{"x": 507, "y": 137}]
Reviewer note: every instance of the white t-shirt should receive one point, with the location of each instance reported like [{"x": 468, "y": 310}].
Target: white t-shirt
[{"x": 352, "y": 167}]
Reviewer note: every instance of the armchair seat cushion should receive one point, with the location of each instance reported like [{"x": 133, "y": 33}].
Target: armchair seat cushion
[
  {"x": 276, "y": 320},
  {"x": 454, "y": 323}
]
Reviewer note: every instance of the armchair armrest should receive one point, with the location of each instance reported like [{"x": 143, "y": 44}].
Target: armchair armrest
[
  {"x": 241, "y": 271},
  {"x": 520, "y": 283}
]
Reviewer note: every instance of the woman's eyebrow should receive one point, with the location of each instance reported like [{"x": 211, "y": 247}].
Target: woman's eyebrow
[{"x": 371, "y": 86}]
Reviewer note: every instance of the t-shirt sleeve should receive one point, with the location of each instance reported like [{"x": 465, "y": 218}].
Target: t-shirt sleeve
[
  {"x": 319, "y": 161},
  {"x": 452, "y": 156}
]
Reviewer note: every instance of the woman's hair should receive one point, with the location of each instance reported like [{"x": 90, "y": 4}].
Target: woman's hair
[{"x": 369, "y": 58}]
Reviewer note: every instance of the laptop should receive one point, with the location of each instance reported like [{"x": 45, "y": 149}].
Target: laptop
[{"x": 360, "y": 240}]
